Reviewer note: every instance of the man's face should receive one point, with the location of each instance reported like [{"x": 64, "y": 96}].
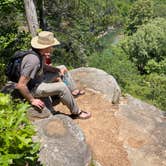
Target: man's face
[{"x": 46, "y": 51}]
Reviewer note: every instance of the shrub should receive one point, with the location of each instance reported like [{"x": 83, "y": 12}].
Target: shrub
[
  {"x": 154, "y": 67},
  {"x": 17, "y": 147},
  {"x": 157, "y": 86}
]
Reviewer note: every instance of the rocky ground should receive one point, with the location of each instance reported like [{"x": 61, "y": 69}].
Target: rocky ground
[
  {"x": 119, "y": 140},
  {"x": 128, "y": 133},
  {"x": 101, "y": 130}
]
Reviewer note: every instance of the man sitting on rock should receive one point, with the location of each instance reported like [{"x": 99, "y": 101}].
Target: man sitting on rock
[
  {"x": 66, "y": 78},
  {"x": 33, "y": 83}
]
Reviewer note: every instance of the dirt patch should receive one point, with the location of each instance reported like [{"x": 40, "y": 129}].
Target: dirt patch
[
  {"x": 101, "y": 130},
  {"x": 55, "y": 127},
  {"x": 136, "y": 143}
]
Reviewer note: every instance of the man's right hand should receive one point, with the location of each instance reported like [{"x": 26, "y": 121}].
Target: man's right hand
[{"x": 38, "y": 103}]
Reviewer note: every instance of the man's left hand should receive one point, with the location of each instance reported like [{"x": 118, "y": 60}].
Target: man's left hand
[{"x": 63, "y": 70}]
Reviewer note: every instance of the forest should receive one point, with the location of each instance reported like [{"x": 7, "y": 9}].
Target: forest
[{"x": 126, "y": 39}]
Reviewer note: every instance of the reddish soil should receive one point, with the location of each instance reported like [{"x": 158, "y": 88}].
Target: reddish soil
[{"x": 102, "y": 129}]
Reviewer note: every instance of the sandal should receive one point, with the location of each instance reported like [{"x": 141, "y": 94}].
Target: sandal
[
  {"x": 78, "y": 92},
  {"x": 81, "y": 115}
]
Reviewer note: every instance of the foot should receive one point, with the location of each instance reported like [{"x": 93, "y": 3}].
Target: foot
[
  {"x": 81, "y": 115},
  {"x": 84, "y": 115},
  {"x": 78, "y": 92}
]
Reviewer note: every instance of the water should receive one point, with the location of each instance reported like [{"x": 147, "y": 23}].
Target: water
[{"x": 111, "y": 38}]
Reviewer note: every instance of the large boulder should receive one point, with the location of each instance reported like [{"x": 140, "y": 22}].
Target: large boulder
[
  {"x": 143, "y": 133},
  {"x": 62, "y": 142},
  {"x": 98, "y": 80}
]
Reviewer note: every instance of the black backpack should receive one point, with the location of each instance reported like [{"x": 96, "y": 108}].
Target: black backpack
[{"x": 13, "y": 68}]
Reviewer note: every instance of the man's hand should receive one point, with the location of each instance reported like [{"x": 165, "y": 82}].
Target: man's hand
[
  {"x": 38, "y": 103},
  {"x": 22, "y": 87},
  {"x": 63, "y": 71}
]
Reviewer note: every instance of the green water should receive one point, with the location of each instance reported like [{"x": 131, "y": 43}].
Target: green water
[{"x": 110, "y": 38}]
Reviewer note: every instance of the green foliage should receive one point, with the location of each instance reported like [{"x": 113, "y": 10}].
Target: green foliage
[
  {"x": 121, "y": 12},
  {"x": 154, "y": 67},
  {"x": 160, "y": 8},
  {"x": 12, "y": 42},
  {"x": 148, "y": 43},
  {"x": 150, "y": 88},
  {"x": 8, "y": 10},
  {"x": 11, "y": 38},
  {"x": 77, "y": 25},
  {"x": 116, "y": 62},
  {"x": 140, "y": 13},
  {"x": 157, "y": 86},
  {"x": 2, "y": 74},
  {"x": 17, "y": 147}
]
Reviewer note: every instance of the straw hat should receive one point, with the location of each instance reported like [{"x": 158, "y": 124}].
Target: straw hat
[{"x": 44, "y": 39}]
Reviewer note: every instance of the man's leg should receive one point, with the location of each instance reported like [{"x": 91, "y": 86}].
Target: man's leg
[
  {"x": 68, "y": 80},
  {"x": 60, "y": 89},
  {"x": 48, "y": 104}
]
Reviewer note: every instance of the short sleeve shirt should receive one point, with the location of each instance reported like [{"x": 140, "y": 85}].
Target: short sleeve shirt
[{"x": 30, "y": 68}]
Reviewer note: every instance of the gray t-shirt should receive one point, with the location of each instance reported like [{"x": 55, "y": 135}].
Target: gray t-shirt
[{"x": 31, "y": 67}]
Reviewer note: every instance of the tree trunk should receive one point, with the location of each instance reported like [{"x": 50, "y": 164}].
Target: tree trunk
[
  {"x": 31, "y": 16},
  {"x": 43, "y": 22}
]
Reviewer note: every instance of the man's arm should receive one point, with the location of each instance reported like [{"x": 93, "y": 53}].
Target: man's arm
[
  {"x": 61, "y": 71},
  {"x": 51, "y": 68},
  {"x": 22, "y": 87}
]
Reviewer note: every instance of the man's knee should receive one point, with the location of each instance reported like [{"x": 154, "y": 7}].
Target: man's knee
[
  {"x": 63, "y": 87},
  {"x": 61, "y": 67}
]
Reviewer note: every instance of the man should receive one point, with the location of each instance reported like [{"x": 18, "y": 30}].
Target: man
[
  {"x": 66, "y": 78},
  {"x": 32, "y": 84}
]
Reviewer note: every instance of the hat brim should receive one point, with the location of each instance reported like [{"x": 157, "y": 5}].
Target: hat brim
[{"x": 35, "y": 44}]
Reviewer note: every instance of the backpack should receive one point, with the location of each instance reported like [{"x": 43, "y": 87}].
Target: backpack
[{"x": 13, "y": 68}]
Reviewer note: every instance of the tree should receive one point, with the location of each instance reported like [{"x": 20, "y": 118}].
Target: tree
[
  {"x": 148, "y": 43},
  {"x": 140, "y": 13}
]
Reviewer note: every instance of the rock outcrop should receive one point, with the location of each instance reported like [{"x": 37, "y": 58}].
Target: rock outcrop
[
  {"x": 128, "y": 133},
  {"x": 98, "y": 80},
  {"x": 62, "y": 142},
  {"x": 143, "y": 132},
  {"x": 140, "y": 127}
]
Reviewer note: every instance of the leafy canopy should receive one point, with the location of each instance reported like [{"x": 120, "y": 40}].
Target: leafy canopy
[
  {"x": 140, "y": 13},
  {"x": 146, "y": 47}
]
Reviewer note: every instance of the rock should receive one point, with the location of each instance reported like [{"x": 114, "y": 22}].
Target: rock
[
  {"x": 9, "y": 88},
  {"x": 96, "y": 163},
  {"x": 142, "y": 131},
  {"x": 62, "y": 142},
  {"x": 34, "y": 114},
  {"x": 98, "y": 80}
]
